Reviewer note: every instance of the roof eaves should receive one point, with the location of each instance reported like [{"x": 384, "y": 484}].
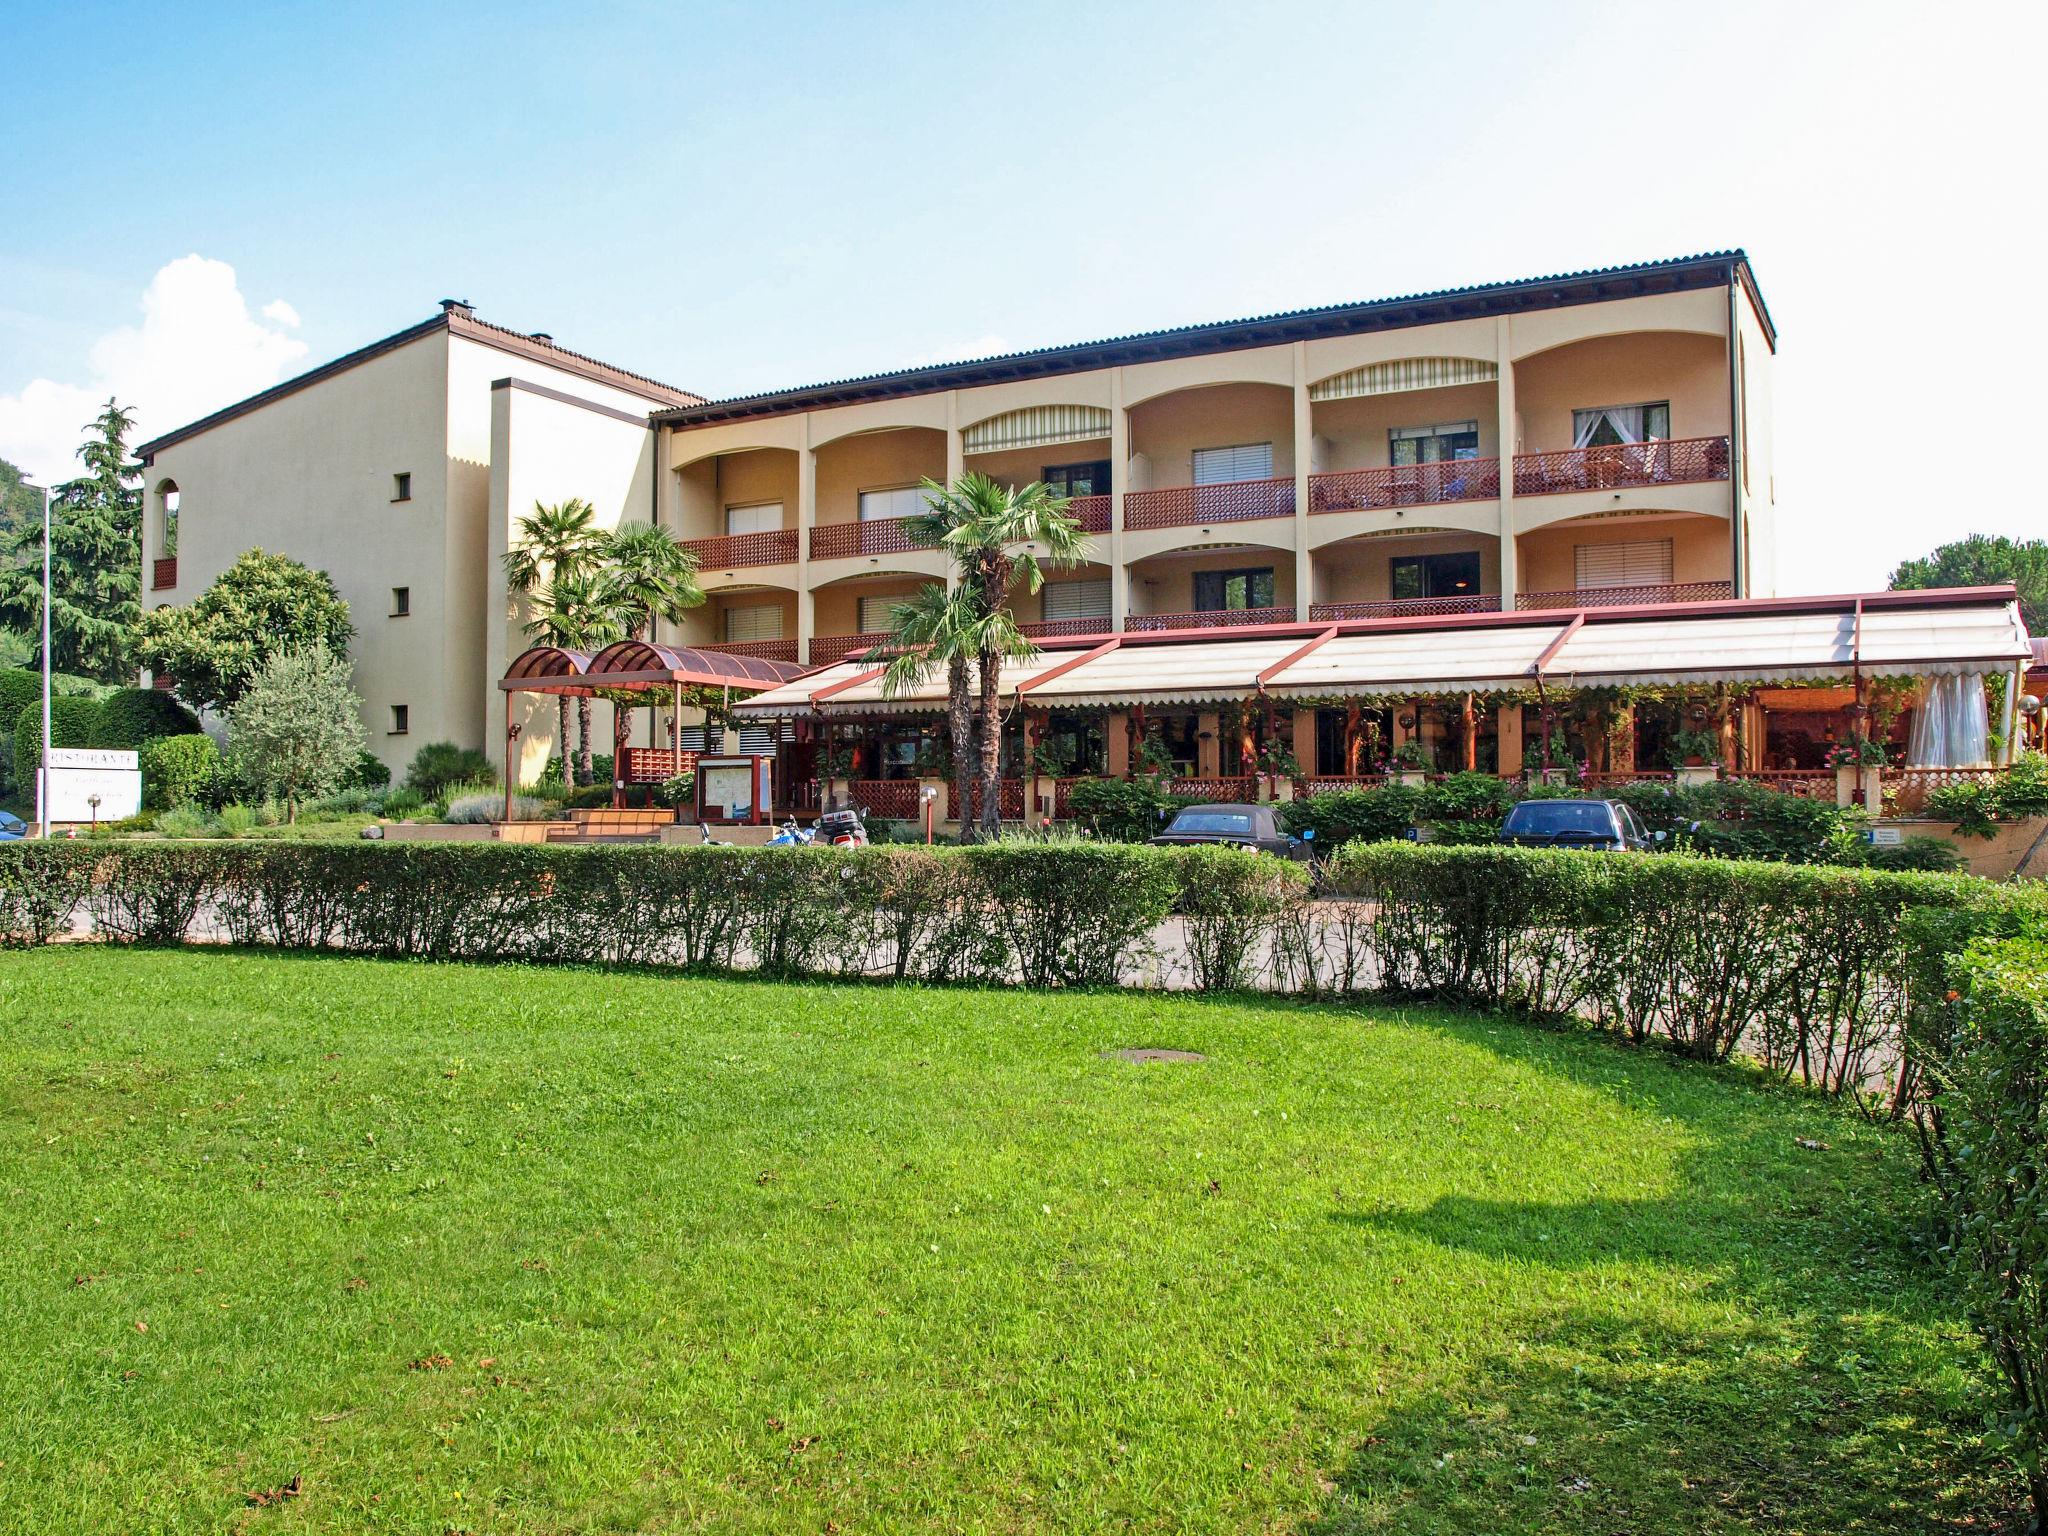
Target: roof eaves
[{"x": 1227, "y": 335}]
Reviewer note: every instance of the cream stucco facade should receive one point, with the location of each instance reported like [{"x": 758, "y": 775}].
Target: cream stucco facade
[{"x": 1384, "y": 458}]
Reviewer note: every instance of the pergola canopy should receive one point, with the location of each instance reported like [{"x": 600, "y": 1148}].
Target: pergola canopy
[
  {"x": 640, "y": 664},
  {"x": 1773, "y": 640}
]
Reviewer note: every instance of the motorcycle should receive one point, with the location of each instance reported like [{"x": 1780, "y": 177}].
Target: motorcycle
[{"x": 790, "y": 835}]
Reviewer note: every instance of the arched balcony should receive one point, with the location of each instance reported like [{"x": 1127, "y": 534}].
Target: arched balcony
[
  {"x": 738, "y": 513},
  {"x": 1211, "y": 587},
  {"x": 1207, "y": 456},
  {"x": 867, "y": 485}
]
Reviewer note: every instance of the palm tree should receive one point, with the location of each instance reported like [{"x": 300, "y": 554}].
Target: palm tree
[
  {"x": 651, "y": 575},
  {"x": 579, "y": 611},
  {"x": 993, "y": 533},
  {"x": 553, "y": 543},
  {"x": 936, "y": 628}
]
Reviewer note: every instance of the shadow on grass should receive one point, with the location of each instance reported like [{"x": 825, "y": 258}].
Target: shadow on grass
[{"x": 1835, "y": 1390}]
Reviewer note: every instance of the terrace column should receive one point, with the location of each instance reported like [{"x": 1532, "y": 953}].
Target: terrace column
[
  {"x": 1504, "y": 429},
  {"x": 956, "y": 446},
  {"x": 806, "y": 520},
  {"x": 1119, "y": 474},
  {"x": 1116, "y": 741},
  {"x": 1507, "y": 736},
  {"x": 1208, "y": 745},
  {"x": 1304, "y": 452}
]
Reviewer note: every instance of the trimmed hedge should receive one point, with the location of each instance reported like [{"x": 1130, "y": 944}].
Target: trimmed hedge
[
  {"x": 1984, "y": 1119},
  {"x": 179, "y": 770},
  {"x": 74, "y": 722},
  {"x": 131, "y": 716}
]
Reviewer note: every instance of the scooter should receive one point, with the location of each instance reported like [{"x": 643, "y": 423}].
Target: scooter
[{"x": 843, "y": 828}]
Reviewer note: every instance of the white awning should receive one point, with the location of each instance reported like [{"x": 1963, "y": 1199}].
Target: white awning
[
  {"x": 1036, "y": 426},
  {"x": 1764, "y": 642},
  {"x": 1404, "y": 374}
]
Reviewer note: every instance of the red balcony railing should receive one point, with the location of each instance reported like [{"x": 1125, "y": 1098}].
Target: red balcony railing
[
  {"x": 163, "y": 574},
  {"x": 1409, "y": 485},
  {"x": 1336, "y": 783},
  {"x": 1187, "y": 506},
  {"x": 1214, "y": 618},
  {"x": 1054, "y": 629},
  {"x": 1009, "y": 799},
  {"x": 1091, "y": 512},
  {"x": 776, "y": 547},
  {"x": 1813, "y": 783},
  {"x": 1626, "y": 597},
  {"x": 830, "y": 648},
  {"x": 876, "y": 536},
  {"x": 1905, "y": 790},
  {"x": 1406, "y": 607},
  {"x": 1618, "y": 466},
  {"x": 767, "y": 650}
]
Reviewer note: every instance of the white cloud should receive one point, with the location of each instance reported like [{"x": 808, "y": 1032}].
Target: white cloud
[{"x": 198, "y": 348}]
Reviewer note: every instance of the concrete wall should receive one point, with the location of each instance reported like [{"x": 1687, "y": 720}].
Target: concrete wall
[
  {"x": 1165, "y": 432},
  {"x": 1688, "y": 371},
  {"x": 1699, "y": 548},
  {"x": 874, "y": 461}
]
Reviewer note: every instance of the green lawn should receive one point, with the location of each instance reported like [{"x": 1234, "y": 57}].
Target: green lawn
[{"x": 524, "y": 1250}]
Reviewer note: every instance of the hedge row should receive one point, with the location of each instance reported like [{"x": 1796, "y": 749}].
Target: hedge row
[{"x": 1045, "y": 915}]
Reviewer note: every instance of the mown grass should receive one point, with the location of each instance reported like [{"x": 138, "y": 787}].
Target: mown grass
[{"x": 524, "y": 1250}]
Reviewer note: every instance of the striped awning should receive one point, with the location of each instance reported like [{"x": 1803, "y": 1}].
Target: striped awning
[
  {"x": 1036, "y": 427},
  {"x": 1403, "y": 374}
]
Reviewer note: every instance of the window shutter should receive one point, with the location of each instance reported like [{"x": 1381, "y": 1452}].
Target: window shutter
[
  {"x": 1077, "y": 599},
  {"x": 764, "y": 517},
  {"x": 748, "y": 624},
  {"x": 874, "y": 614},
  {"x": 757, "y": 739},
  {"x": 693, "y": 738},
  {"x": 1246, "y": 461},
  {"x": 901, "y": 502},
  {"x": 1643, "y": 564}
]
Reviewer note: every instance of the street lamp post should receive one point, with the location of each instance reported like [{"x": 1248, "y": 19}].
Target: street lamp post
[{"x": 43, "y": 764}]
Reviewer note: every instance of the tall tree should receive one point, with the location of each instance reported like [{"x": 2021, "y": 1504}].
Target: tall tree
[
  {"x": 95, "y": 559},
  {"x": 992, "y": 533},
  {"x": 560, "y": 542},
  {"x": 260, "y": 606},
  {"x": 651, "y": 576},
  {"x": 21, "y": 507},
  {"x": 1982, "y": 560}
]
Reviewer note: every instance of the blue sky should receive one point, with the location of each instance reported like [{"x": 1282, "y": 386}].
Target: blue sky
[{"x": 732, "y": 198}]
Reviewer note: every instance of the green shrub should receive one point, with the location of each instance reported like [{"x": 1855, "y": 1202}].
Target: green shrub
[
  {"x": 185, "y": 820},
  {"x": 1355, "y": 815},
  {"x": 131, "y": 716},
  {"x": 1987, "y": 1101},
  {"x": 237, "y": 819},
  {"x": 1929, "y": 854},
  {"x": 1231, "y": 902},
  {"x": 1070, "y": 912},
  {"x": 368, "y": 773},
  {"x": 179, "y": 770},
  {"x": 398, "y": 804},
  {"x": 74, "y": 722},
  {"x": 439, "y": 764},
  {"x": 42, "y": 886},
  {"x": 478, "y": 810},
  {"x": 1122, "y": 810},
  {"x": 1976, "y": 806},
  {"x": 19, "y": 688}
]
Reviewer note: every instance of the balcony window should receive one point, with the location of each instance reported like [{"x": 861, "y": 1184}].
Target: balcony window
[
  {"x": 1087, "y": 598},
  {"x": 875, "y": 613},
  {"x": 1432, "y": 445},
  {"x": 900, "y": 501},
  {"x": 1606, "y": 426},
  {"x": 759, "y": 517},
  {"x": 401, "y": 719},
  {"x": 745, "y": 625},
  {"x": 1433, "y": 575},
  {"x": 1226, "y": 591},
  {"x": 1245, "y": 461},
  {"x": 1641, "y": 563},
  {"x": 401, "y": 602},
  {"x": 1090, "y": 479},
  {"x": 401, "y": 487}
]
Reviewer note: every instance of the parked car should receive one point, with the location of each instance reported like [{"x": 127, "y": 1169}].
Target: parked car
[
  {"x": 1600, "y": 824},
  {"x": 1233, "y": 826},
  {"x": 12, "y": 828}
]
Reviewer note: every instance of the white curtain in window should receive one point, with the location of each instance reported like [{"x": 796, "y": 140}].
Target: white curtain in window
[
  {"x": 1627, "y": 421},
  {"x": 1952, "y": 725}
]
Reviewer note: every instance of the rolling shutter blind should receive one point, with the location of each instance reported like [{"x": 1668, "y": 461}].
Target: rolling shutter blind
[
  {"x": 1077, "y": 599},
  {"x": 874, "y": 614},
  {"x": 757, "y": 739},
  {"x": 1643, "y": 564},
  {"x": 694, "y": 739},
  {"x": 744, "y": 624},
  {"x": 1246, "y": 461},
  {"x": 901, "y": 502},
  {"x": 764, "y": 517}
]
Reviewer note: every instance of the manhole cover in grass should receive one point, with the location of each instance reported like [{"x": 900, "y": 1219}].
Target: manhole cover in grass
[{"x": 1149, "y": 1054}]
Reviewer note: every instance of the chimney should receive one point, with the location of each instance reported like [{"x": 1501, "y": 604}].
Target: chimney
[
  {"x": 449, "y": 306},
  {"x": 542, "y": 336}
]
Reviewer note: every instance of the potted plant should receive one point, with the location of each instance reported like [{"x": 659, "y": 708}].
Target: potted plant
[
  {"x": 1411, "y": 763},
  {"x": 1692, "y": 754}
]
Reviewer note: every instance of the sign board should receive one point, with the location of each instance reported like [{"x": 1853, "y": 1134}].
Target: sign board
[
  {"x": 95, "y": 794},
  {"x": 738, "y": 788},
  {"x": 93, "y": 757},
  {"x": 1886, "y": 837}
]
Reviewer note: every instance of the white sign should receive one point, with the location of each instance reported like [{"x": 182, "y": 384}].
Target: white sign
[
  {"x": 1886, "y": 837},
  {"x": 93, "y": 757},
  {"x": 73, "y": 791}
]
